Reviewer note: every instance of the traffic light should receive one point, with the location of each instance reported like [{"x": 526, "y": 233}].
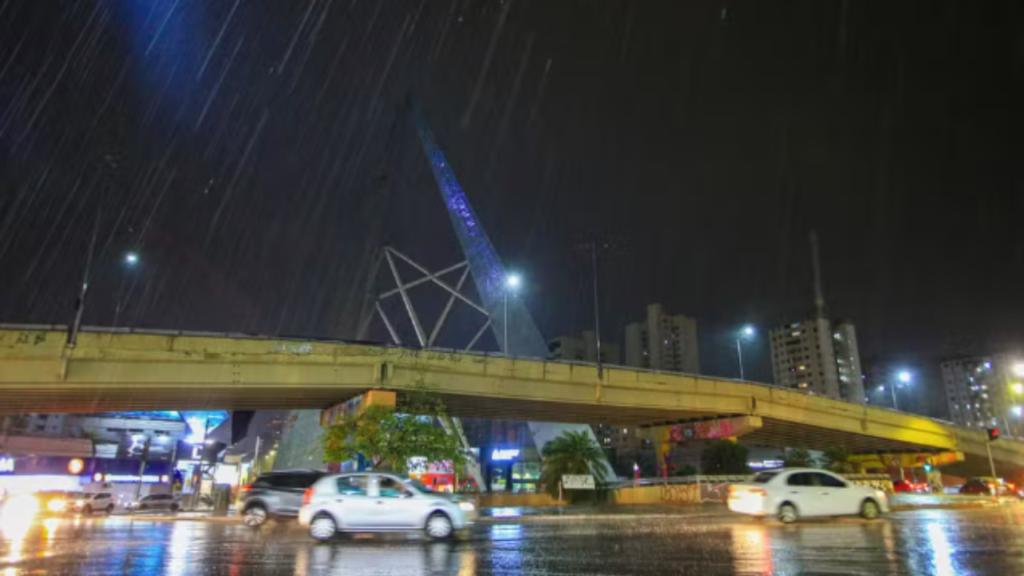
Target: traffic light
[
  {"x": 928, "y": 465},
  {"x": 993, "y": 434}
]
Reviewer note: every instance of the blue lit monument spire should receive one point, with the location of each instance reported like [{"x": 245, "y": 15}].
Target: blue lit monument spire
[{"x": 488, "y": 273}]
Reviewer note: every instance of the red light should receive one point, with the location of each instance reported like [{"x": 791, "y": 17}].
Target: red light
[
  {"x": 245, "y": 488},
  {"x": 307, "y": 496}
]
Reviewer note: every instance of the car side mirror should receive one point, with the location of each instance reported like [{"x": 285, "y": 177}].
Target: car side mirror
[{"x": 405, "y": 495}]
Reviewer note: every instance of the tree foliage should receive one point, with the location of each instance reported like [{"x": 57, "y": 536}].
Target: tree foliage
[
  {"x": 571, "y": 453},
  {"x": 837, "y": 459},
  {"x": 797, "y": 458},
  {"x": 386, "y": 438},
  {"x": 724, "y": 457}
]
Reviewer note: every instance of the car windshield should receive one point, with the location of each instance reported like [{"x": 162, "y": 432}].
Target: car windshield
[
  {"x": 416, "y": 484},
  {"x": 765, "y": 477}
]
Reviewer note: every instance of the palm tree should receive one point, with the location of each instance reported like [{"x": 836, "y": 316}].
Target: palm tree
[
  {"x": 837, "y": 459},
  {"x": 571, "y": 453}
]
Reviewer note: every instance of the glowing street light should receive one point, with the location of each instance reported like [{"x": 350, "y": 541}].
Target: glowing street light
[
  {"x": 747, "y": 332},
  {"x": 1017, "y": 388},
  {"x": 903, "y": 378},
  {"x": 1018, "y": 369},
  {"x": 512, "y": 282},
  {"x": 131, "y": 258}
]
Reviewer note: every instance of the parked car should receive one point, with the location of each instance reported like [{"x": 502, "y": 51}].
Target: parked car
[
  {"x": 792, "y": 493},
  {"x": 976, "y": 486},
  {"x": 98, "y": 502},
  {"x": 904, "y": 485},
  {"x": 155, "y": 502},
  {"x": 275, "y": 494},
  {"x": 372, "y": 502}
]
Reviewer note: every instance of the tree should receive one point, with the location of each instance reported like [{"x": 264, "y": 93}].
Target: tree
[
  {"x": 386, "y": 438},
  {"x": 571, "y": 453},
  {"x": 724, "y": 457},
  {"x": 797, "y": 458},
  {"x": 837, "y": 459}
]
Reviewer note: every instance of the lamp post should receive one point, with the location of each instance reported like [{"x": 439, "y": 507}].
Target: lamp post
[
  {"x": 903, "y": 378},
  {"x": 131, "y": 261},
  {"x": 745, "y": 333},
  {"x": 511, "y": 284}
]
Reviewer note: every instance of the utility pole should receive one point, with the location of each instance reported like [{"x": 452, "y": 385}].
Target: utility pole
[
  {"x": 80, "y": 303},
  {"x": 597, "y": 312},
  {"x": 142, "y": 470}
]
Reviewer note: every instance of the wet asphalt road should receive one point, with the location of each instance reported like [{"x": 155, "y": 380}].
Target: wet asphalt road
[{"x": 942, "y": 542}]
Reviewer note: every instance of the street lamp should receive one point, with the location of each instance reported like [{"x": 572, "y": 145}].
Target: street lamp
[
  {"x": 745, "y": 333},
  {"x": 903, "y": 378},
  {"x": 1018, "y": 369},
  {"x": 511, "y": 284},
  {"x": 131, "y": 258}
]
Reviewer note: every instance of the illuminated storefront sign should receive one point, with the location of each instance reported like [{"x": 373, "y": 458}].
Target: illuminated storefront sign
[
  {"x": 132, "y": 478},
  {"x": 504, "y": 453},
  {"x": 6, "y": 464}
]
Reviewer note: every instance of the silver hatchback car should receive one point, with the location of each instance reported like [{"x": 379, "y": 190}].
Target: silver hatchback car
[{"x": 376, "y": 502}]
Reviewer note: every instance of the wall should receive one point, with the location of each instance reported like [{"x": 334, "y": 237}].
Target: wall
[{"x": 503, "y": 500}]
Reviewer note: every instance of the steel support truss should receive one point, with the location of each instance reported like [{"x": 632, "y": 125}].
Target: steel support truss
[{"x": 403, "y": 288}]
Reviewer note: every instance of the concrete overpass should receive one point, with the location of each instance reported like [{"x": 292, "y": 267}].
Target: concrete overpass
[{"x": 131, "y": 370}]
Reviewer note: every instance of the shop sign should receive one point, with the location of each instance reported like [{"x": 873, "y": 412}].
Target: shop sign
[
  {"x": 6, "y": 464},
  {"x": 577, "y": 482},
  {"x": 130, "y": 478},
  {"x": 500, "y": 454}
]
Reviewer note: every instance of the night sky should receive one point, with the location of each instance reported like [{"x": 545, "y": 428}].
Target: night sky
[{"x": 256, "y": 153}]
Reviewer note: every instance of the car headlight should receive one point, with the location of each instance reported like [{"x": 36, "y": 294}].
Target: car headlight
[
  {"x": 56, "y": 505},
  {"x": 466, "y": 506}
]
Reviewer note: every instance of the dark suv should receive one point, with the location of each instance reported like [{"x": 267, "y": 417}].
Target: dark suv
[{"x": 275, "y": 494}]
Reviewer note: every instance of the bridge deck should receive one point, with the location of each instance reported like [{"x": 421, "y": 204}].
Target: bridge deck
[{"x": 144, "y": 371}]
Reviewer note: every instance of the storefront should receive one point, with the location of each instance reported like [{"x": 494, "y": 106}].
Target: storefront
[
  {"x": 25, "y": 473},
  {"x": 511, "y": 469}
]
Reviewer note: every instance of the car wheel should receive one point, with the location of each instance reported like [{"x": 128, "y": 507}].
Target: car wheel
[
  {"x": 87, "y": 510},
  {"x": 323, "y": 528},
  {"x": 255, "y": 516},
  {"x": 870, "y": 510},
  {"x": 439, "y": 526},
  {"x": 787, "y": 513},
  {"x": 110, "y": 509},
  {"x": 174, "y": 507},
  {"x": 142, "y": 506}
]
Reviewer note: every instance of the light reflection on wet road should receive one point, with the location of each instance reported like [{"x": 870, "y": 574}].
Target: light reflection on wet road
[{"x": 944, "y": 543}]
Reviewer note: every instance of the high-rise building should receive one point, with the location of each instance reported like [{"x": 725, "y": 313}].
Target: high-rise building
[
  {"x": 983, "y": 392},
  {"x": 663, "y": 342},
  {"x": 815, "y": 357},
  {"x": 848, "y": 365},
  {"x": 583, "y": 349}
]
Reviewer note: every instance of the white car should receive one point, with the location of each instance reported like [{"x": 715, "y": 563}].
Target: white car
[
  {"x": 99, "y": 502},
  {"x": 793, "y": 493},
  {"x": 373, "y": 502},
  {"x": 155, "y": 502}
]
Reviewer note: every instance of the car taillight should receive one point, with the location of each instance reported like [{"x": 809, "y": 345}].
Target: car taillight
[
  {"x": 307, "y": 496},
  {"x": 753, "y": 491},
  {"x": 245, "y": 488}
]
